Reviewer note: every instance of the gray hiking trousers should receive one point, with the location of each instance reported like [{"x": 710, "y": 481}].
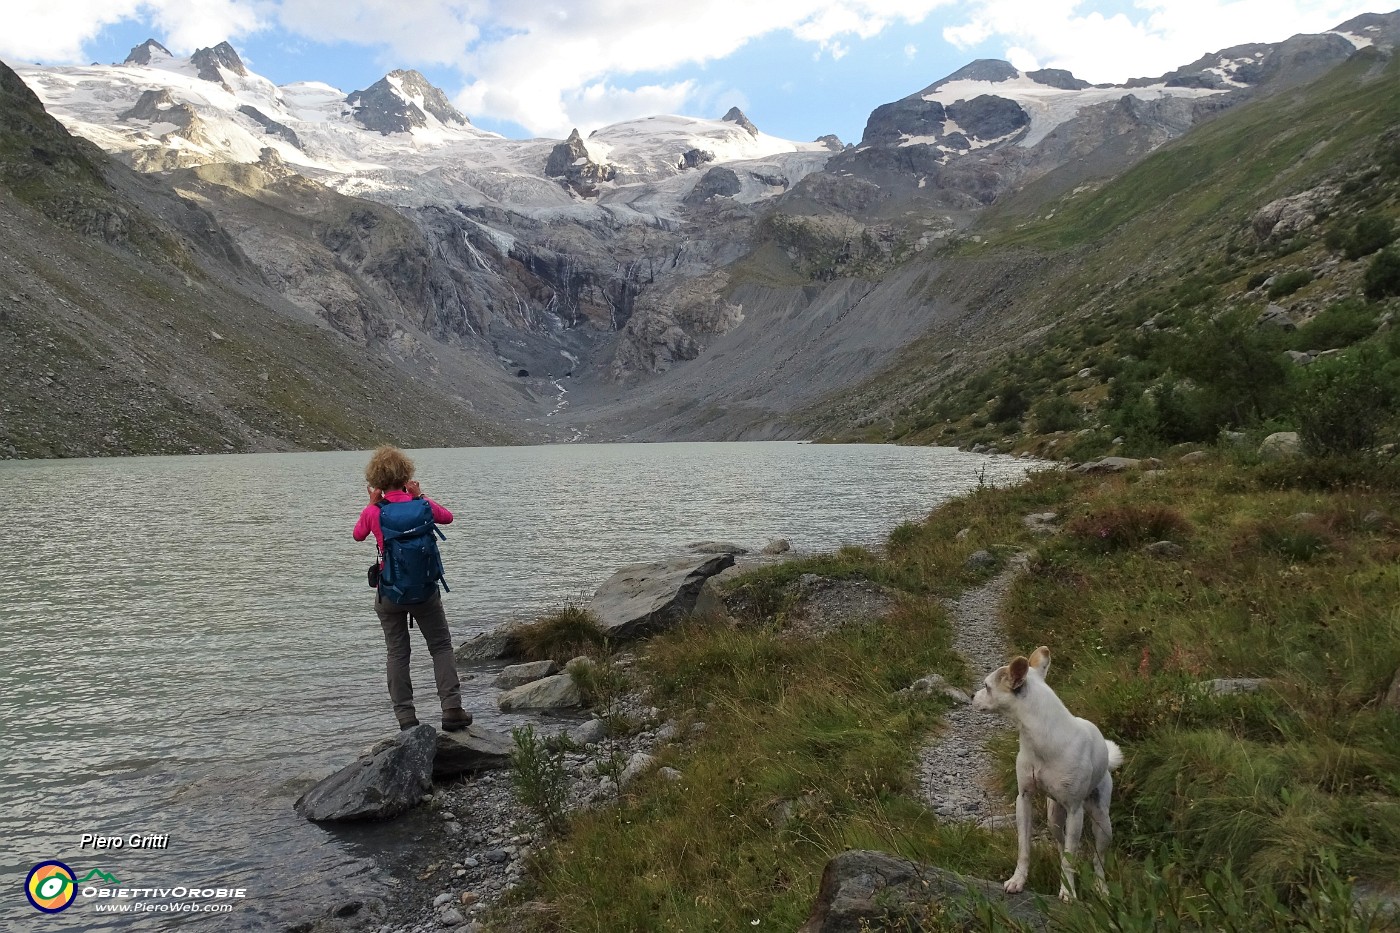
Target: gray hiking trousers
[{"x": 432, "y": 621}]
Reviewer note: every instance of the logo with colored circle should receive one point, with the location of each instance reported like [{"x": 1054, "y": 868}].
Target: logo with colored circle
[{"x": 50, "y": 887}]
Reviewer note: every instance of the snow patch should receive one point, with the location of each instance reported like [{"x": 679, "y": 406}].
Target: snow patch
[{"x": 1360, "y": 42}]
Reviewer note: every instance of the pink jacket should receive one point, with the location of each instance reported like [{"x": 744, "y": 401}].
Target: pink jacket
[{"x": 369, "y": 518}]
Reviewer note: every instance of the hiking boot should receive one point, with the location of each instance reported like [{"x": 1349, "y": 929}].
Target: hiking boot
[
  {"x": 455, "y": 720},
  {"x": 408, "y": 723}
]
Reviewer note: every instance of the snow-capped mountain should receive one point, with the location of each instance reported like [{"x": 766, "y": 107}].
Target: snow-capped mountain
[{"x": 399, "y": 141}]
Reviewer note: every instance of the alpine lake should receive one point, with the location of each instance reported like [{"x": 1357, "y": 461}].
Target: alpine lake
[{"x": 189, "y": 642}]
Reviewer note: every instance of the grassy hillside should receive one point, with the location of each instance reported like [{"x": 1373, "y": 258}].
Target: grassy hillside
[
  {"x": 1256, "y": 810},
  {"x": 1143, "y": 324}
]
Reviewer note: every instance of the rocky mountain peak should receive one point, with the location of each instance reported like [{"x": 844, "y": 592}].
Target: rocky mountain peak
[
  {"x": 1382, "y": 29},
  {"x": 735, "y": 115},
  {"x": 982, "y": 69},
  {"x": 392, "y": 104},
  {"x": 1058, "y": 77},
  {"x": 569, "y": 161},
  {"x": 831, "y": 141},
  {"x": 145, "y": 52},
  {"x": 210, "y": 60}
]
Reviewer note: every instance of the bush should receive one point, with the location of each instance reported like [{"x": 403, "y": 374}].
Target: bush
[
  {"x": 1289, "y": 283},
  {"x": 1057, "y": 413},
  {"x": 1011, "y": 403},
  {"x": 1340, "y": 325},
  {"x": 1128, "y": 526},
  {"x": 1383, "y": 275},
  {"x": 562, "y": 636},
  {"x": 1341, "y": 403},
  {"x": 1372, "y": 232},
  {"x": 541, "y": 777}
]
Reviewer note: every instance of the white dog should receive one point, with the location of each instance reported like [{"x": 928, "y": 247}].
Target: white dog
[{"x": 1065, "y": 757}]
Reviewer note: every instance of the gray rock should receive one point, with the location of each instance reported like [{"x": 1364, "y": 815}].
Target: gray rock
[
  {"x": 442, "y": 899},
  {"x": 502, "y": 643},
  {"x": 1373, "y": 519},
  {"x": 1109, "y": 465},
  {"x": 980, "y": 560},
  {"x": 716, "y": 547},
  {"x": 588, "y": 733},
  {"x": 1300, "y": 357},
  {"x": 777, "y": 546},
  {"x": 718, "y": 182},
  {"x": 557, "y": 692},
  {"x": 1281, "y": 445},
  {"x": 1234, "y": 438},
  {"x": 735, "y": 115},
  {"x": 1167, "y": 549},
  {"x": 452, "y": 917},
  {"x": 1195, "y": 456},
  {"x": 862, "y": 891},
  {"x": 962, "y": 534},
  {"x": 1301, "y": 517},
  {"x": 937, "y": 683},
  {"x": 377, "y": 787},
  {"x": 637, "y": 765},
  {"x": 670, "y": 774},
  {"x": 1392, "y": 696},
  {"x": 1275, "y": 316},
  {"x": 518, "y": 675},
  {"x": 470, "y": 751},
  {"x": 1227, "y": 686},
  {"x": 645, "y": 598}
]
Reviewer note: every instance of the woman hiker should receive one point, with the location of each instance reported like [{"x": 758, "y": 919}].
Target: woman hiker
[{"x": 390, "y": 478}]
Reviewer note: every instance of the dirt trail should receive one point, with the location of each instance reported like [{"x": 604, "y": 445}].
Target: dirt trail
[{"x": 954, "y": 776}]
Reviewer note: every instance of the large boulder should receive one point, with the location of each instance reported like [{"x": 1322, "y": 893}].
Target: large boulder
[
  {"x": 1281, "y": 445},
  {"x": 645, "y": 598},
  {"x": 467, "y": 752},
  {"x": 518, "y": 675},
  {"x": 504, "y": 642},
  {"x": 864, "y": 890},
  {"x": 557, "y": 692},
  {"x": 379, "y": 785}
]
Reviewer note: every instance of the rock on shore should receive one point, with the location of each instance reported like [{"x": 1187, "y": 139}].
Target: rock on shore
[
  {"x": 379, "y": 785},
  {"x": 642, "y": 599}
]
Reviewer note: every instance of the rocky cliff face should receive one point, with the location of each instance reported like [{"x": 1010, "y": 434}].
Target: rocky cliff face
[{"x": 401, "y": 101}]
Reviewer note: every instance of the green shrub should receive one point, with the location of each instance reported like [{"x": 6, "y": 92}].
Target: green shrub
[
  {"x": 541, "y": 777},
  {"x": 1340, "y": 325},
  {"x": 1127, "y": 526},
  {"x": 1371, "y": 232},
  {"x": 1057, "y": 413},
  {"x": 1383, "y": 275},
  {"x": 1011, "y": 403},
  {"x": 1341, "y": 403},
  {"x": 1290, "y": 282}
]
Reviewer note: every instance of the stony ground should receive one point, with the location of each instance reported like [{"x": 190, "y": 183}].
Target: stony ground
[{"x": 953, "y": 770}]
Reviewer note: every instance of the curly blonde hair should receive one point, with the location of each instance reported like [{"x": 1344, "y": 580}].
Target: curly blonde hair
[{"x": 388, "y": 468}]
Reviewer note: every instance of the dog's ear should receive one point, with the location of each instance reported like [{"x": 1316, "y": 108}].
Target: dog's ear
[
  {"x": 1017, "y": 669},
  {"x": 1040, "y": 660}
]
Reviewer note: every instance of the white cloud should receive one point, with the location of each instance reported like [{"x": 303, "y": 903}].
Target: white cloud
[
  {"x": 1158, "y": 36},
  {"x": 547, "y": 66},
  {"x": 550, "y": 66},
  {"x": 56, "y": 30},
  {"x": 911, "y": 51}
]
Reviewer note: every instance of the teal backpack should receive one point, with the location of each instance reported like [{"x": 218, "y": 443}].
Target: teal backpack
[{"x": 412, "y": 566}]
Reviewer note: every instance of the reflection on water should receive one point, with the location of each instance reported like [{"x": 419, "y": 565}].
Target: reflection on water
[{"x": 189, "y": 641}]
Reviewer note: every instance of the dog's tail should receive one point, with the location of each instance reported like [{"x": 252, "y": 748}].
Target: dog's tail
[{"x": 1115, "y": 754}]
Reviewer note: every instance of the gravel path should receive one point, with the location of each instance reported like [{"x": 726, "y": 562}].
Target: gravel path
[{"x": 953, "y": 774}]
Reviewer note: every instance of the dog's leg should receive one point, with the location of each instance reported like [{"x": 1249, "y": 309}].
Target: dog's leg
[
  {"x": 1024, "y": 805},
  {"x": 1074, "y": 827},
  {"x": 1097, "y": 806},
  {"x": 1056, "y": 814}
]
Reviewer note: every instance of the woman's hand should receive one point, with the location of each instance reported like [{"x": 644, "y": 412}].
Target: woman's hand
[
  {"x": 374, "y": 495},
  {"x": 413, "y": 488}
]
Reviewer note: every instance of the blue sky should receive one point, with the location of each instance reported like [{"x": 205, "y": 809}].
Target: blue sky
[{"x": 798, "y": 68}]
